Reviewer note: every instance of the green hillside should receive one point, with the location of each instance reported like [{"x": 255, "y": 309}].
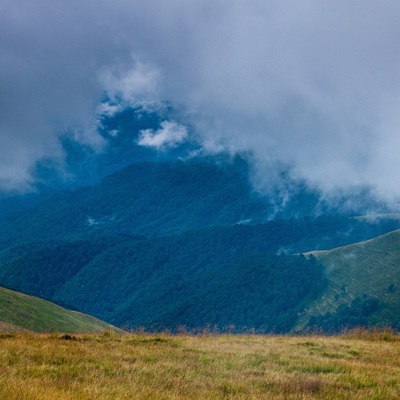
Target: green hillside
[
  {"x": 19, "y": 311},
  {"x": 218, "y": 276},
  {"x": 363, "y": 285}
]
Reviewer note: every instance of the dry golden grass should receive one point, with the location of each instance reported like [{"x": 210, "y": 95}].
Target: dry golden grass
[{"x": 142, "y": 366}]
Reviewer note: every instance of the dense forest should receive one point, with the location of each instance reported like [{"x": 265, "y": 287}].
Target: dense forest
[
  {"x": 219, "y": 275},
  {"x": 210, "y": 278}
]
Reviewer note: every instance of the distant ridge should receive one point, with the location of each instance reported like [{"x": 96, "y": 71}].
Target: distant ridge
[
  {"x": 20, "y": 312},
  {"x": 363, "y": 285}
]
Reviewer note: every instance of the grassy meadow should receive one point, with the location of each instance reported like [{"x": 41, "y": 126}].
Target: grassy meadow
[{"x": 148, "y": 366}]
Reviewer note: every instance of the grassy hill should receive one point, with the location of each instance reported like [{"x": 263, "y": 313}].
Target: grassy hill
[
  {"x": 363, "y": 285},
  {"x": 19, "y": 311}
]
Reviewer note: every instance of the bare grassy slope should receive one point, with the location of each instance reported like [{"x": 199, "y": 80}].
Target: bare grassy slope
[
  {"x": 366, "y": 270},
  {"x": 138, "y": 366},
  {"x": 19, "y": 311}
]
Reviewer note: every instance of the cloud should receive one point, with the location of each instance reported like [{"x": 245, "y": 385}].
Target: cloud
[
  {"x": 129, "y": 85},
  {"x": 312, "y": 86},
  {"x": 57, "y": 64},
  {"x": 169, "y": 135}
]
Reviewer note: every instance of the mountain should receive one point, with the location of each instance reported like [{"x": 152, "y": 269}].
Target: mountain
[
  {"x": 120, "y": 131},
  {"x": 164, "y": 239},
  {"x": 155, "y": 199},
  {"x": 165, "y": 244},
  {"x": 150, "y": 199},
  {"x": 19, "y": 311},
  {"x": 217, "y": 275},
  {"x": 363, "y": 286}
]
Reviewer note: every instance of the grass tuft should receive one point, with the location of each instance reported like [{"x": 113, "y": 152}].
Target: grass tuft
[{"x": 373, "y": 334}]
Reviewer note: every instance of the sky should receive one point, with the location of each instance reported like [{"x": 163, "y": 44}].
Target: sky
[{"x": 312, "y": 86}]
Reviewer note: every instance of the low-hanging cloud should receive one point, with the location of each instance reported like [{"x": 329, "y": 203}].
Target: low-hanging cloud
[
  {"x": 309, "y": 85},
  {"x": 169, "y": 135}
]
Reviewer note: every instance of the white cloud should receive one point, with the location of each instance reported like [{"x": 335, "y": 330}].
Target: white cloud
[
  {"x": 169, "y": 135},
  {"x": 108, "y": 109},
  {"x": 312, "y": 84},
  {"x": 131, "y": 84}
]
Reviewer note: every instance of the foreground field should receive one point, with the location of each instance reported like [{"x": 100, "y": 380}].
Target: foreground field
[{"x": 140, "y": 366}]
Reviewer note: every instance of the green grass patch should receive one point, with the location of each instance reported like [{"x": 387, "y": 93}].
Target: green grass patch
[{"x": 19, "y": 311}]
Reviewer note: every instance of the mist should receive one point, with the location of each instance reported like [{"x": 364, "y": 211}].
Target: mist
[{"x": 311, "y": 87}]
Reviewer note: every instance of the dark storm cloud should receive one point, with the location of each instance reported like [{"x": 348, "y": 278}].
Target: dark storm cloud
[{"x": 313, "y": 85}]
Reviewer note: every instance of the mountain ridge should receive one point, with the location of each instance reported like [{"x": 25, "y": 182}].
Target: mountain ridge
[{"x": 363, "y": 285}]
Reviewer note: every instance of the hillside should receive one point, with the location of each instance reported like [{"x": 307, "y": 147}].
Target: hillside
[
  {"x": 363, "y": 285},
  {"x": 222, "y": 275},
  {"x": 194, "y": 194},
  {"x": 19, "y": 311},
  {"x": 217, "y": 276},
  {"x": 158, "y": 199}
]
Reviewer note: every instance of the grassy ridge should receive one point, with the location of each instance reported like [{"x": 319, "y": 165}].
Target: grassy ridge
[
  {"x": 20, "y": 311},
  {"x": 139, "y": 366},
  {"x": 362, "y": 273}
]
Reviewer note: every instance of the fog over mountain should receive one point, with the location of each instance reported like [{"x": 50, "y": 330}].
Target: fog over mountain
[{"x": 311, "y": 86}]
